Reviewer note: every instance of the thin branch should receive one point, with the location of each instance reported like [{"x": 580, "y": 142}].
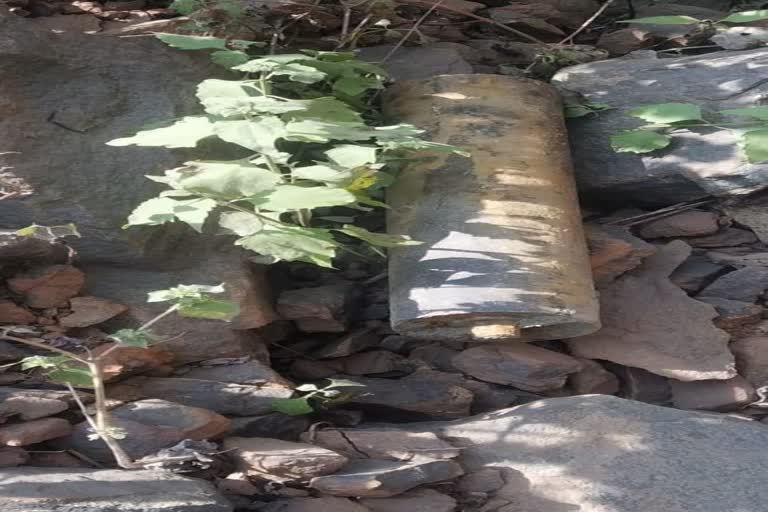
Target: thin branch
[
  {"x": 587, "y": 23},
  {"x": 44, "y": 346},
  {"x": 411, "y": 31},
  {"x": 478, "y": 18},
  {"x": 159, "y": 317}
]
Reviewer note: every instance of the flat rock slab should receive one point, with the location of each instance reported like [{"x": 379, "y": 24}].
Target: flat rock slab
[
  {"x": 382, "y": 479},
  {"x": 417, "y": 500},
  {"x": 650, "y": 323},
  {"x": 94, "y": 490},
  {"x": 220, "y": 397},
  {"x": 517, "y": 364},
  {"x": 600, "y": 453},
  {"x": 388, "y": 444},
  {"x": 696, "y": 164},
  {"x": 745, "y": 284}
]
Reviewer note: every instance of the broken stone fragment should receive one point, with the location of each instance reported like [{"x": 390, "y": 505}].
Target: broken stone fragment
[
  {"x": 12, "y": 456},
  {"x": 29, "y": 404},
  {"x": 483, "y": 480},
  {"x": 274, "y": 459},
  {"x": 387, "y": 444},
  {"x": 149, "y": 425},
  {"x": 87, "y": 311},
  {"x": 276, "y": 425},
  {"x": 623, "y": 41},
  {"x": 252, "y": 372},
  {"x": 688, "y": 223},
  {"x": 613, "y": 250},
  {"x": 521, "y": 365},
  {"x": 733, "y": 313},
  {"x": 48, "y": 287},
  {"x": 745, "y": 284},
  {"x": 321, "y": 504},
  {"x": 237, "y": 483},
  {"x": 695, "y": 273},
  {"x": 728, "y": 237},
  {"x": 382, "y": 478},
  {"x": 421, "y": 392},
  {"x": 752, "y": 359},
  {"x": 436, "y": 355},
  {"x": 650, "y": 323},
  {"x": 123, "y": 361},
  {"x": 365, "y": 363},
  {"x": 319, "y": 309},
  {"x": 11, "y": 313},
  {"x": 32, "y": 432},
  {"x": 352, "y": 343},
  {"x": 220, "y": 397},
  {"x": 593, "y": 378},
  {"x": 417, "y": 500},
  {"x": 98, "y": 490},
  {"x": 712, "y": 395},
  {"x": 643, "y": 386}
]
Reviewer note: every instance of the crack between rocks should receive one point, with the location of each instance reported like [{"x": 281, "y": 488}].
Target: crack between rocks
[
  {"x": 62, "y": 125},
  {"x": 353, "y": 445}
]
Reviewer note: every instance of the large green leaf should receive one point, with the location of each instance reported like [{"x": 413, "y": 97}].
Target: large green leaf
[
  {"x": 160, "y": 210},
  {"x": 756, "y": 112},
  {"x": 230, "y": 98},
  {"x": 183, "y": 42},
  {"x": 292, "y": 197},
  {"x": 755, "y": 144},
  {"x": 132, "y": 338},
  {"x": 356, "y": 85},
  {"x": 664, "y": 20},
  {"x": 291, "y": 243},
  {"x": 323, "y": 131},
  {"x": 292, "y": 406},
  {"x": 229, "y": 58},
  {"x": 351, "y": 155},
  {"x": 666, "y": 113},
  {"x": 228, "y": 180},
  {"x": 184, "y": 133},
  {"x": 746, "y": 16},
  {"x": 240, "y": 223},
  {"x": 378, "y": 239},
  {"x": 266, "y": 64},
  {"x": 284, "y": 65},
  {"x": 77, "y": 377},
  {"x": 321, "y": 173},
  {"x": 44, "y": 362},
  {"x": 184, "y": 292},
  {"x": 209, "y": 307},
  {"x": 260, "y": 135},
  {"x": 326, "y": 109},
  {"x": 639, "y": 141}
]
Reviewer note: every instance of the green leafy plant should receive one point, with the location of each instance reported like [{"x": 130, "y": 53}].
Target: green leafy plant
[
  {"x": 666, "y": 119},
  {"x": 312, "y": 397},
  {"x": 83, "y": 369},
  {"x": 309, "y": 143},
  {"x": 733, "y": 18}
]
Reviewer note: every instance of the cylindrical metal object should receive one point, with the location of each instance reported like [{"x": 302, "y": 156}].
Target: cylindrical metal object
[{"x": 503, "y": 253}]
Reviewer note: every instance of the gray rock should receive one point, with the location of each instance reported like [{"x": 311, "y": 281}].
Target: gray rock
[
  {"x": 352, "y": 343},
  {"x": 752, "y": 359},
  {"x": 383, "y": 443},
  {"x": 150, "y": 425},
  {"x": 417, "y": 500},
  {"x": 752, "y": 215},
  {"x": 734, "y": 313},
  {"x": 382, "y": 478},
  {"x": 436, "y": 356},
  {"x": 220, "y": 397},
  {"x": 600, "y": 453},
  {"x": 95, "y": 490},
  {"x": 728, "y": 237},
  {"x": 319, "y": 309},
  {"x": 745, "y": 284},
  {"x": 713, "y": 395},
  {"x": 695, "y": 273},
  {"x": 517, "y": 364},
  {"x": 276, "y": 425},
  {"x": 423, "y": 392},
  {"x": 56, "y": 139},
  {"x": 687, "y": 223},
  {"x": 30, "y": 404},
  {"x": 650, "y": 323},
  {"x": 322, "y": 504},
  {"x": 697, "y": 164},
  {"x": 250, "y": 372},
  {"x": 282, "y": 460},
  {"x": 418, "y": 62},
  {"x": 34, "y": 431},
  {"x": 593, "y": 378}
]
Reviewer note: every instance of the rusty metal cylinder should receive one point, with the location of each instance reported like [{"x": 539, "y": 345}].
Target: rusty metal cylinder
[{"x": 503, "y": 253}]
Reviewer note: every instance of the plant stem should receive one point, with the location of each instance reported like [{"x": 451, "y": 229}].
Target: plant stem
[
  {"x": 103, "y": 427},
  {"x": 44, "y": 346},
  {"x": 159, "y": 317},
  {"x": 587, "y": 23},
  {"x": 413, "y": 29}
]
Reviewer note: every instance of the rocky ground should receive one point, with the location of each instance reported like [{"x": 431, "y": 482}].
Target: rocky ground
[{"x": 661, "y": 410}]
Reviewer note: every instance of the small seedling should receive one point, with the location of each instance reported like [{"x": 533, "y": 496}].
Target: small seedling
[
  {"x": 666, "y": 119},
  {"x": 312, "y": 398},
  {"x": 83, "y": 369}
]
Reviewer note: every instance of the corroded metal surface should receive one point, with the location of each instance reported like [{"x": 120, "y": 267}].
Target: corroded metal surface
[{"x": 504, "y": 254}]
